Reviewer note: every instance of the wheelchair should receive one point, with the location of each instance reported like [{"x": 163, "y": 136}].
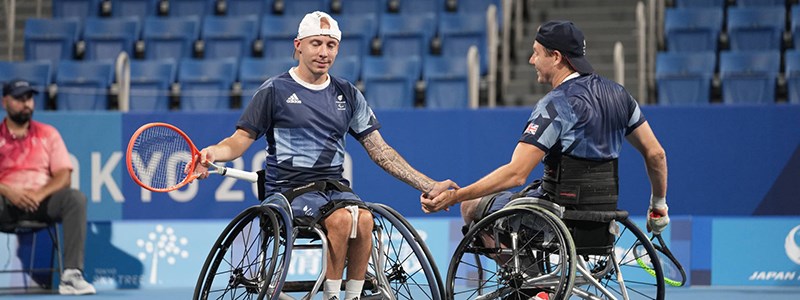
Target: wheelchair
[
  {"x": 533, "y": 245},
  {"x": 251, "y": 258}
]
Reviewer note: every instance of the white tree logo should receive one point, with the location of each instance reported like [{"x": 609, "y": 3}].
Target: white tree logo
[{"x": 161, "y": 244}]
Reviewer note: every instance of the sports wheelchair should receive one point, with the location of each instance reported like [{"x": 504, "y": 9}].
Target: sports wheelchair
[
  {"x": 251, "y": 258},
  {"x": 533, "y": 245}
]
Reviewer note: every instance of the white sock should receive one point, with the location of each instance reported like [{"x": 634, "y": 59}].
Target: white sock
[
  {"x": 331, "y": 289},
  {"x": 352, "y": 289}
]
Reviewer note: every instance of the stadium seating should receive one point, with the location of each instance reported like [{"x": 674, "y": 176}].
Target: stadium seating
[
  {"x": 105, "y": 38},
  {"x": 76, "y": 8},
  {"x": 360, "y": 7},
  {"x": 135, "y": 8},
  {"x": 150, "y": 84},
  {"x": 357, "y": 34},
  {"x": 389, "y": 81},
  {"x": 746, "y": 3},
  {"x": 459, "y": 31},
  {"x": 446, "y": 82},
  {"x": 407, "y": 35},
  {"x": 749, "y": 77},
  {"x": 200, "y": 8},
  {"x": 51, "y": 39},
  {"x": 206, "y": 84},
  {"x": 347, "y": 67},
  {"x": 410, "y": 7},
  {"x": 38, "y": 73},
  {"x": 756, "y": 28},
  {"x": 795, "y": 26},
  {"x": 248, "y": 7},
  {"x": 700, "y": 3},
  {"x": 302, "y": 7},
  {"x": 695, "y": 29},
  {"x": 684, "y": 78},
  {"x": 277, "y": 34},
  {"x": 254, "y": 71},
  {"x": 83, "y": 85},
  {"x": 792, "y": 59},
  {"x": 172, "y": 37},
  {"x": 229, "y": 36}
]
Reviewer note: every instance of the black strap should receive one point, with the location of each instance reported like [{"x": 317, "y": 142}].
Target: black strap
[{"x": 316, "y": 186}]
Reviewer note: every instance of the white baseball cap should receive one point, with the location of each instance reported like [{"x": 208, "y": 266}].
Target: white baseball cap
[{"x": 311, "y": 25}]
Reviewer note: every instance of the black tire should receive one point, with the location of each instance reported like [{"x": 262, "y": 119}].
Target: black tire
[{"x": 543, "y": 259}]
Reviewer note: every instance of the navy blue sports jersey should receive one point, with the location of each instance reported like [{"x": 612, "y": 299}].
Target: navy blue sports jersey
[
  {"x": 305, "y": 127},
  {"x": 585, "y": 117}
]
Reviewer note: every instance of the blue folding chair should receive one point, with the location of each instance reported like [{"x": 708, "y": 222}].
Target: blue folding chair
[
  {"x": 38, "y": 73},
  {"x": 84, "y": 85},
  {"x": 692, "y": 29},
  {"x": 106, "y": 38},
  {"x": 248, "y": 7},
  {"x": 446, "y": 83},
  {"x": 206, "y": 84},
  {"x": 749, "y": 77},
  {"x": 459, "y": 31},
  {"x": 76, "y": 8},
  {"x": 685, "y": 78},
  {"x": 756, "y": 28},
  {"x": 277, "y": 34},
  {"x": 200, "y": 8},
  {"x": 362, "y": 7},
  {"x": 253, "y": 72},
  {"x": 390, "y": 82},
  {"x": 407, "y": 34},
  {"x": 357, "y": 34},
  {"x": 172, "y": 37},
  {"x": 229, "y": 36},
  {"x": 51, "y": 39},
  {"x": 150, "y": 84},
  {"x": 135, "y": 8},
  {"x": 302, "y": 7},
  {"x": 792, "y": 59},
  {"x": 700, "y": 3}
]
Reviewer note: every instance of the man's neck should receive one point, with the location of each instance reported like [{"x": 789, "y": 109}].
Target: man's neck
[
  {"x": 18, "y": 130},
  {"x": 563, "y": 76},
  {"x": 309, "y": 77}
]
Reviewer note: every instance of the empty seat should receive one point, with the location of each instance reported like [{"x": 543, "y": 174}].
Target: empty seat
[
  {"x": 793, "y": 75},
  {"x": 172, "y": 37},
  {"x": 700, "y": 3},
  {"x": 254, "y": 71},
  {"x": 407, "y": 35},
  {"x": 277, "y": 34},
  {"x": 408, "y": 7},
  {"x": 359, "y": 7},
  {"x": 357, "y": 34},
  {"x": 229, "y": 36},
  {"x": 347, "y": 67},
  {"x": 749, "y": 77},
  {"x": 150, "y": 84},
  {"x": 756, "y": 28},
  {"x": 52, "y": 39},
  {"x": 390, "y": 82},
  {"x": 795, "y": 26},
  {"x": 83, "y": 85},
  {"x": 206, "y": 84},
  {"x": 745, "y": 3},
  {"x": 106, "y": 38},
  {"x": 302, "y": 7},
  {"x": 76, "y": 8},
  {"x": 135, "y": 8},
  {"x": 459, "y": 31},
  {"x": 446, "y": 83},
  {"x": 198, "y": 8},
  {"x": 684, "y": 78},
  {"x": 248, "y": 7},
  {"x": 38, "y": 73},
  {"x": 695, "y": 29}
]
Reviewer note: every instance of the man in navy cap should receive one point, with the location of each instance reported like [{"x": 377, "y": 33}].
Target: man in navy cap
[
  {"x": 35, "y": 178},
  {"x": 578, "y": 125}
]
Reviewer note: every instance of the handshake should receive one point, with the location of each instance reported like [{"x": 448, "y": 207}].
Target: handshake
[
  {"x": 440, "y": 197},
  {"x": 657, "y": 215}
]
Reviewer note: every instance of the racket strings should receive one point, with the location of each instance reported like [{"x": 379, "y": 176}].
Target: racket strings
[{"x": 160, "y": 156}]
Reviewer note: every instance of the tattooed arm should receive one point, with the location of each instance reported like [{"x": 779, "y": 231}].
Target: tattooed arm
[{"x": 391, "y": 161}]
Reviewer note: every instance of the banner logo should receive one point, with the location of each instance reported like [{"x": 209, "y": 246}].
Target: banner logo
[
  {"x": 161, "y": 244},
  {"x": 792, "y": 249}
]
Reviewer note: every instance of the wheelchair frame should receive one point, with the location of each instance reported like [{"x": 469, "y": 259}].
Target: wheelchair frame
[{"x": 262, "y": 275}]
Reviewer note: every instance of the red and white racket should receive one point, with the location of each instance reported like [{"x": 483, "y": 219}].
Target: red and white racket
[{"x": 162, "y": 158}]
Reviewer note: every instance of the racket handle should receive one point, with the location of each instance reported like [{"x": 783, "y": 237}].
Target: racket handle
[{"x": 239, "y": 174}]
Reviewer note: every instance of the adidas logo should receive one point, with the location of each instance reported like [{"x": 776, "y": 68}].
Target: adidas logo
[{"x": 293, "y": 99}]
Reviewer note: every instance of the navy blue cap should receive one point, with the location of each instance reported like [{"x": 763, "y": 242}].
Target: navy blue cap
[
  {"x": 17, "y": 88},
  {"x": 565, "y": 37}
]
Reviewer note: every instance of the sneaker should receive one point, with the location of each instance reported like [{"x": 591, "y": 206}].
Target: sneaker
[{"x": 72, "y": 283}]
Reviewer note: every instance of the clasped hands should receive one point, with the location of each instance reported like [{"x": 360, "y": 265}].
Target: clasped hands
[{"x": 440, "y": 197}]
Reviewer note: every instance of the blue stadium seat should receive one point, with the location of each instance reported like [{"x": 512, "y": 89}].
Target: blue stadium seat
[
  {"x": 446, "y": 83},
  {"x": 302, "y": 7},
  {"x": 76, "y": 8},
  {"x": 254, "y": 71},
  {"x": 172, "y": 37},
  {"x": 359, "y": 7},
  {"x": 135, "y": 8},
  {"x": 793, "y": 75},
  {"x": 347, "y": 67},
  {"x": 105, "y": 38},
  {"x": 481, "y": 6},
  {"x": 51, "y": 39},
  {"x": 248, "y": 7},
  {"x": 684, "y": 78},
  {"x": 795, "y": 29},
  {"x": 84, "y": 85},
  {"x": 749, "y": 77},
  {"x": 150, "y": 84},
  {"x": 700, "y": 3},
  {"x": 745, "y": 3},
  {"x": 694, "y": 29},
  {"x": 408, "y": 7},
  {"x": 229, "y": 36},
  {"x": 389, "y": 82},
  {"x": 277, "y": 34},
  {"x": 756, "y": 28},
  {"x": 459, "y": 31},
  {"x": 38, "y": 73},
  {"x": 200, "y": 8},
  {"x": 357, "y": 34},
  {"x": 206, "y": 84},
  {"x": 407, "y": 35}
]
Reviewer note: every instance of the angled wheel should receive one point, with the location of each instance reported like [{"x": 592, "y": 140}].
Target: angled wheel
[
  {"x": 243, "y": 259},
  {"x": 513, "y": 253},
  {"x": 401, "y": 266},
  {"x": 634, "y": 258}
]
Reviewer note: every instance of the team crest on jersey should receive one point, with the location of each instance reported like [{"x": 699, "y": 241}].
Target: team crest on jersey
[
  {"x": 340, "y": 103},
  {"x": 532, "y": 129},
  {"x": 293, "y": 99}
]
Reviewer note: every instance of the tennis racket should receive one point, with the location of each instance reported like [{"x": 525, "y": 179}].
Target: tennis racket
[
  {"x": 162, "y": 158},
  {"x": 674, "y": 274}
]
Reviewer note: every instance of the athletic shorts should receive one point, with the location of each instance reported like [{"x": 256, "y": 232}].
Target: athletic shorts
[
  {"x": 308, "y": 204},
  {"x": 502, "y": 199}
]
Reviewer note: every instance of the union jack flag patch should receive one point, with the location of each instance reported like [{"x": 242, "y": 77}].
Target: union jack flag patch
[{"x": 532, "y": 129}]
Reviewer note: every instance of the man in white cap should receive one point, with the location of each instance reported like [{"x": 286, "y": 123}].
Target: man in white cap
[{"x": 304, "y": 115}]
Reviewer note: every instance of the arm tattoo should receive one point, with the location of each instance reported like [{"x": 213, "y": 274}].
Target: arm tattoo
[{"x": 391, "y": 161}]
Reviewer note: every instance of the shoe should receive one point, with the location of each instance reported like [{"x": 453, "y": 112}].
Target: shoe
[
  {"x": 541, "y": 296},
  {"x": 72, "y": 283}
]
